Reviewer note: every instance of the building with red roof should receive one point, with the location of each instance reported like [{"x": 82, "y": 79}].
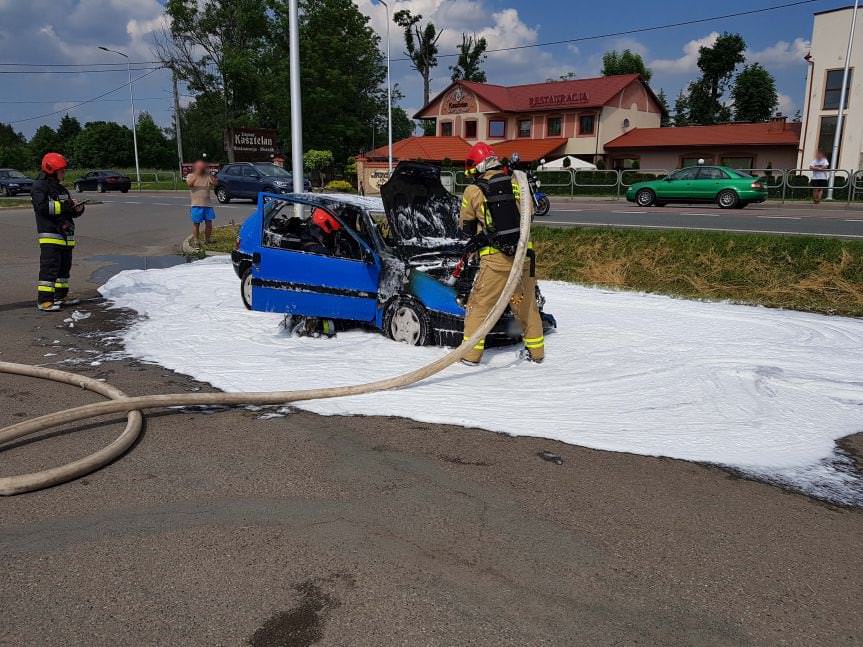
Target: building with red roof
[
  {"x": 740, "y": 145},
  {"x": 539, "y": 120}
]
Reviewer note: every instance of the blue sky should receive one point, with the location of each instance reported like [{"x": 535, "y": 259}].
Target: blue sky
[{"x": 56, "y": 31}]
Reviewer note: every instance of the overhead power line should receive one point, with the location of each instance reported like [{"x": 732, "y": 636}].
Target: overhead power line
[
  {"x": 123, "y": 69},
  {"x": 82, "y": 100},
  {"x": 77, "y": 64},
  {"x": 641, "y": 30},
  {"x": 78, "y": 105}
]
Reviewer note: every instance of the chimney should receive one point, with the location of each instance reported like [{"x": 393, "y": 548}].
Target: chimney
[{"x": 777, "y": 124}]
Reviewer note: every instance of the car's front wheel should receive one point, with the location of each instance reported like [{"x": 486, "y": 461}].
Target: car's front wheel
[
  {"x": 246, "y": 288},
  {"x": 728, "y": 199},
  {"x": 407, "y": 321},
  {"x": 222, "y": 195},
  {"x": 645, "y": 198},
  {"x": 9, "y": 192}
]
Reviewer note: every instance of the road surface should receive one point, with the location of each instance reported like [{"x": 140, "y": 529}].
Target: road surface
[{"x": 229, "y": 529}]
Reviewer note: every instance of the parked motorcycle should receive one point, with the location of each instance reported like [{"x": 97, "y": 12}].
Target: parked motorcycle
[{"x": 541, "y": 203}]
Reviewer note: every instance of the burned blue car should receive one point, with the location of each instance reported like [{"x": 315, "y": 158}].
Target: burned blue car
[{"x": 388, "y": 264}]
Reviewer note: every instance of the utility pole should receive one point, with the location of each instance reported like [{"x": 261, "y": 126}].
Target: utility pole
[
  {"x": 296, "y": 99},
  {"x": 132, "y": 101},
  {"x": 177, "y": 131},
  {"x": 837, "y": 138}
]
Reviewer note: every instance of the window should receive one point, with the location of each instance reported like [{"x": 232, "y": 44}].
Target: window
[
  {"x": 711, "y": 173},
  {"x": 524, "y": 127},
  {"x": 554, "y": 126},
  {"x": 833, "y": 89},
  {"x": 470, "y": 130},
  {"x": 497, "y": 128},
  {"x": 745, "y": 163},
  {"x": 626, "y": 164},
  {"x": 446, "y": 129},
  {"x": 586, "y": 124},
  {"x": 249, "y": 171},
  {"x": 693, "y": 161},
  {"x": 685, "y": 174},
  {"x": 234, "y": 171},
  {"x": 827, "y": 134}
]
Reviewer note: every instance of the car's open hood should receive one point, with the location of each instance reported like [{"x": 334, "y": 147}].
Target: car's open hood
[{"x": 422, "y": 214}]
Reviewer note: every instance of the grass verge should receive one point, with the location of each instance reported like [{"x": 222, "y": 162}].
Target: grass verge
[
  {"x": 15, "y": 203},
  {"x": 801, "y": 273},
  {"x": 812, "y": 274}
]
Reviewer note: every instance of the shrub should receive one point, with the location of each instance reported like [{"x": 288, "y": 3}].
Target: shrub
[{"x": 339, "y": 186}]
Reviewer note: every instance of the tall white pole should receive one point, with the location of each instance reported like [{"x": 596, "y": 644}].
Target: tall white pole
[
  {"x": 132, "y": 102},
  {"x": 389, "y": 97},
  {"x": 296, "y": 100},
  {"x": 837, "y": 138}
]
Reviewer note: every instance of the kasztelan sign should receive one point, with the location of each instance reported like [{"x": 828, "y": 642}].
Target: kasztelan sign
[{"x": 252, "y": 144}]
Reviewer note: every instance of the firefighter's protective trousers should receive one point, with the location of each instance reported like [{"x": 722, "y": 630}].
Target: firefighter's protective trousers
[{"x": 494, "y": 270}]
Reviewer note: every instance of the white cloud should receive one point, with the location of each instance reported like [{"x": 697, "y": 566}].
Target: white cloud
[
  {"x": 781, "y": 53},
  {"x": 787, "y": 106},
  {"x": 689, "y": 61},
  {"x": 631, "y": 44}
]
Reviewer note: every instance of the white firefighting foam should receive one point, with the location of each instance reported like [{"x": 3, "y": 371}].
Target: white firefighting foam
[{"x": 764, "y": 391}]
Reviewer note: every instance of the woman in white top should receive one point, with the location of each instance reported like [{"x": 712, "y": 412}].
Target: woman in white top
[{"x": 819, "y": 168}]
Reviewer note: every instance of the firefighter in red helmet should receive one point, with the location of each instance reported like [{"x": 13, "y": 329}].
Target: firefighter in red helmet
[
  {"x": 55, "y": 213},
  {"x": 490, "y": 209}
]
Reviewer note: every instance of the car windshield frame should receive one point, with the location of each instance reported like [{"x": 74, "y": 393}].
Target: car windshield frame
[
  {"x": 108, "y": 172},
  {"x": 18, "y": 175},
  {"x": 271, "y": 170}
]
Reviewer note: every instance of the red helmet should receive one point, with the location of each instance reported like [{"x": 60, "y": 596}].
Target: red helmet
[
  {"x": 325, "y": 221},
  {"x": 480, "y": 158},
  {"x": 53, "y": 162}
]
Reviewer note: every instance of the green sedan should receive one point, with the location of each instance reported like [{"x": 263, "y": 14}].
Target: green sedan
[{"x": 727, "y": 187}]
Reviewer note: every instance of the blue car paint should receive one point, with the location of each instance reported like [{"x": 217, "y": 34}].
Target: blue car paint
[{"x": 433, "y": 294}]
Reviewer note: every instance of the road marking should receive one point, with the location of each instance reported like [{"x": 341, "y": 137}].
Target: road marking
[
  {"x": 699, "y": 213},
  {"x": 638, "y": 212},
  {"x": 735, "y": 231},
  {"x": 780, "y": 217},
  {"x": 567, "y": 210},
  {"x": 853, "y": 220}
]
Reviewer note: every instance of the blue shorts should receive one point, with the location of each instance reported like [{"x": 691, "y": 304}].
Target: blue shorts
[{"x": 202, "y": 214}]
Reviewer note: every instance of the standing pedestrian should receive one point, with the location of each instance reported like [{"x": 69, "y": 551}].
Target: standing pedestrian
[
  {"x": 55, "y": 210},
  {"x": 201, "y": 183},
  {"x": 819, "y": 182}
]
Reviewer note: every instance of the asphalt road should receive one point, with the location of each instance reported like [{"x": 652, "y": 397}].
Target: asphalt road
[
  {"x": 168, "y": 208},
  {"x": 229, "y": 529}
]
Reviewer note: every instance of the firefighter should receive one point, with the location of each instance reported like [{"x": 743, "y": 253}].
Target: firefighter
[
  {"x": 55, "y": 211},
  {"x": 490, "y": 210}
]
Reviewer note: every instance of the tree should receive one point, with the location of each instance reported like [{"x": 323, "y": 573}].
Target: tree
[
  {"x": 104, "y": 144},
  {"x": 754, "y": 94},
  {"x": 420, "y": 46},
  {"x": 15, "y": 156},
  {"x": 315, "y": 161},
  {"x": 9, "y": 138},
  {"x": 681, "y": 110},
  {"x": 155, "y": 150},
  {"x": 665, "y": 119},
  {"x": 201, "y": 125},
  {"x": 717, "y": 65},
  {"x": 471, "y": 56},
  {"x": 44, "y": 140},
  {"x": 625, "y": 62},
  {"x": 215, "y": 48},
  {"x": 67, "y": 131}
]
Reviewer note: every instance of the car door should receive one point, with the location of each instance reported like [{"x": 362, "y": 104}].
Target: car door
[
  {"x": 86, "y": 182},
  {"x": 295, "y": 282},
  {"x": 678, "y": 185},
  {"x": 249, "y": 181},
  {"x": 709, "y": 183}
]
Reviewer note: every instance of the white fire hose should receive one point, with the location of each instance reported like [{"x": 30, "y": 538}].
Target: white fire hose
[{"x": 119, "y": 402}]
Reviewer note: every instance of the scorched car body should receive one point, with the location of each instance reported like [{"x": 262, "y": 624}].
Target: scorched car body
[{"x": 389, "y": 266}]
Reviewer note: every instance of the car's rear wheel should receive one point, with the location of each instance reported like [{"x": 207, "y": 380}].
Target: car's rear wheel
[
  {"x": 727, "y": 199},
  {"x": 407, "y": 321},
  {"x": 9, "y": 192},
  {"x": 78, "y": 188},
  {"x": 645, "y": 198},
  {"x": 124, "y": 190},
  {"x": 246, "y": 288},
  {"x": 222, "y": 195}
]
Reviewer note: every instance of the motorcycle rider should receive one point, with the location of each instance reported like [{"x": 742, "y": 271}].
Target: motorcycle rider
[
  {"x": 490, "y": 209},
  {"x": 55, "y": 211}
]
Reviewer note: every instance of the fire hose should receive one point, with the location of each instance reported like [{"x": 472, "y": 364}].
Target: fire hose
[{"x": 119, "y": 402}]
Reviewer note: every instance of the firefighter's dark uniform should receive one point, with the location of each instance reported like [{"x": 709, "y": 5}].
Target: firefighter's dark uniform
[
  {"x": 56, "y": 234},
  {"x": 494, "y": 269}
]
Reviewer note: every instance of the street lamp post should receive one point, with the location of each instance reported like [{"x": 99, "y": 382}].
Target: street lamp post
[
  {"x": 840, "y": 117},
  {"x": 296, "y": 100},
  {"x": 389, "y": 97},
  {"x": 132, "y": 102}
]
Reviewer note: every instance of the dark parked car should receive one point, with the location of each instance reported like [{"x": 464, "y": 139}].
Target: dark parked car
[
  {"x": 390, "y": 268},
  {"x": 102, "y": 181},
  {"x": 248, "y": 179},
  {"x": 13, "y": 182}
]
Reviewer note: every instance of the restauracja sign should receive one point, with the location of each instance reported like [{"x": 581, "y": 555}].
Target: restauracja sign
[{"x": 559, "y": 99}]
